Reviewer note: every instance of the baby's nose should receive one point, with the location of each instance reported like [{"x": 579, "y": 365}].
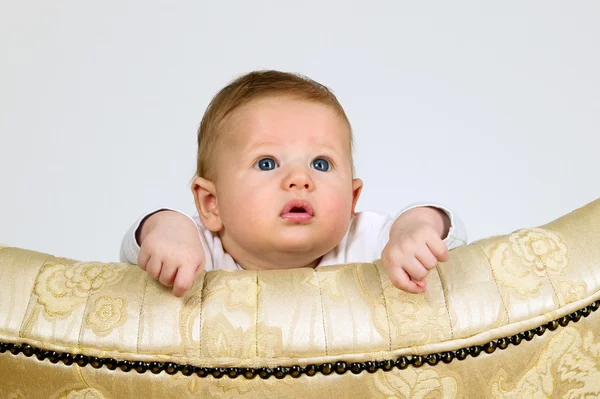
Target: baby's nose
[
  {"x": 306, "y": 185},
  {"x": 298, "y": 180}
]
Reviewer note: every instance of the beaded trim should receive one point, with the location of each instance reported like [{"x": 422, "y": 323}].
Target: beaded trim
[{"x": 340, "y": 367}]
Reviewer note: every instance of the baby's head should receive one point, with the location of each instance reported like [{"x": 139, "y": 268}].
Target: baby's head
[{"x": 274, "y": 175}]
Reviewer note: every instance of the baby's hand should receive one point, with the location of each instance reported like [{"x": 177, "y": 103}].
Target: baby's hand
[
  {"x": 415, "y": 247},
  {"x": 170, "y": 250}
]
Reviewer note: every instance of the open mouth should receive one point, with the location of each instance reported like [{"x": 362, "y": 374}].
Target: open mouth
[{"x": 297, "y": 211}]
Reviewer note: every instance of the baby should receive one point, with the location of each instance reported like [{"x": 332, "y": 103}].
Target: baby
[{"x": 275, "y": 189}]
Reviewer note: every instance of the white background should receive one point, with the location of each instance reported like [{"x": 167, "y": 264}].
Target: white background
[{"x": 492, "y": 108}]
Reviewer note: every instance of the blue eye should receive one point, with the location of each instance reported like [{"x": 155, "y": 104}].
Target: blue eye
[
  {"x": 320, "y": 164},
  {"x": 266, "y": 164}
]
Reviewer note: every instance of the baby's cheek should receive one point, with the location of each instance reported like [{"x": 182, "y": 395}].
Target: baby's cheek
[
  {"x": 332, "y": 205},
  {"x": 338, "y": 210}
]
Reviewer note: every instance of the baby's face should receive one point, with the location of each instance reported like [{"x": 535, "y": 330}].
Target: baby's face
[{"x": 284, "y": 183}]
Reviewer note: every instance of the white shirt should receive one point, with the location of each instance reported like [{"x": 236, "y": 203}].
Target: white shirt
[{"x": 364, "y": 241}]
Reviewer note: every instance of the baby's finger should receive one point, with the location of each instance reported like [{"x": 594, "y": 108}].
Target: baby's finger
[
  {"x": 415, "y": 269},
  {"x": 422, "y": 284},
  {"x": 439, "y": 248},
  {"x": 143, "y": 258},
  {"x": 426, "y": 257},
  {"x": 183, "y": 280},
  {"x": 401, "y": 280},
  {"x": 153, "y": 267},
  {"x": 167, "y": 274}
]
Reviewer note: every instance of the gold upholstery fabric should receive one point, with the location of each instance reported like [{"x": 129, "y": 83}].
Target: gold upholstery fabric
[{"x": 489, "y": 290}]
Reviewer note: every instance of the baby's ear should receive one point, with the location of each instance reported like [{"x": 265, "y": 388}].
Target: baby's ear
[
  {"x": 205, "y": 196},
  {"x": 357, "y": 186}
]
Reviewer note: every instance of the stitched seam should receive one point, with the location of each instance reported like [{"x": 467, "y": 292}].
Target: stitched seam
[
  {"x": 32, "y": 294},
  {"x": 554, "y": 290},
  {"x": 446, "y": 302},
  {"x": 137, "y": 344},
  {"x": 552, "y": 282},
  {"x": 553, "y": 287},
  {"x": 256, "y": 320},
  {"x": 495, "y": 282},
  {"x": 87, "y": 301},
  {"x": 322, "y": 311},
  {"x": 200, "y": 324},
  {"x": 385, "y": 305}
]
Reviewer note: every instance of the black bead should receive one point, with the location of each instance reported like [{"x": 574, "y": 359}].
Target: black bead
[
  {"x": 474, "y": 351},
  {"x": 171, "y": 368},
  {"x": 94, "y": 362},
  {"x": 529, "y": 334},
  {"x": 27, "y": 350},
  {"x": 125, "y": 365},
  {"x": 340, "y": 367},
  {"x": 249, "y": 373},
  {"x": 553, "y": 325},
  {"x": 14, "y": 349},
  {"x": 401, "y": 362},
  {"x": 540, "y": 330},
  {"x": 110, "y": 364},
  {"x": 202, "y": 372},
  {"x": 516, "y": 339},
  {"x": 447, "y": 357},
  {"x": 296, "y": 371},
  {"x": 576, "y": 316},
  {"x": 139, "y": 367},
  {"x": 54, "y": 357},
  {"x": 280, "y": 372},
  {"x": 503, "y": 343},
  {"x": 233, "y": 372},
  {"x": 218, "y": 372},
  {"x": 265, "y": 372},
  {"x": 595, "y": 305},
  {"x": 386, "y": 365},
  {"x": 326, "y": 368},
  {"x": 81, "y": 360},
  {"x": 3, "y": 347},
  {"x": 585, "y": 312},
  {"x": 417, "y": 360},
  {"x": 563, "y": 321},
  {"x": 311, "y": 370},
  {"x": 155, "y": 367},
  {"x": 371, "y": 367},
  {"x": 432, "y": 359},
  {"x": 66, "y": 358},
  {"x": 39, "y": 354},
  {"x": 357, "y": 368},
  {"x": 461, "y": 354},
  {"x": 490, "y": 347},
  {"x": 187, "y": 370}
]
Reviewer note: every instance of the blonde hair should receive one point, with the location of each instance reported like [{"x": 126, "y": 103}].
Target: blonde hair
[{"x": 241, "y": 91}]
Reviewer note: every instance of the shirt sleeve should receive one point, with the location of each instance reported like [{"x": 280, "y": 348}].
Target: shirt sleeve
[
  {"x": 130, "y": 248},
  {"x": 369, "y": 233},
  {"x": 215, "y": 255},
  {"x": 457, "y": 235}
]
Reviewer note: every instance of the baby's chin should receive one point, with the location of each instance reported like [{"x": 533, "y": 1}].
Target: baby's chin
[
  {"x": 298, "y": 246},
  {"x": 301, "y": 244}
]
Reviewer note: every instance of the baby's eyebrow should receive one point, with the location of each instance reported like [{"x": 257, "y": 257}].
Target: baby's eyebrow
[
  {"x": 331, "y": 151},
  {"x": 252, "y": 148},
  {"x": 328, "y": 149},
  {"x": 260, "y": 144}
]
